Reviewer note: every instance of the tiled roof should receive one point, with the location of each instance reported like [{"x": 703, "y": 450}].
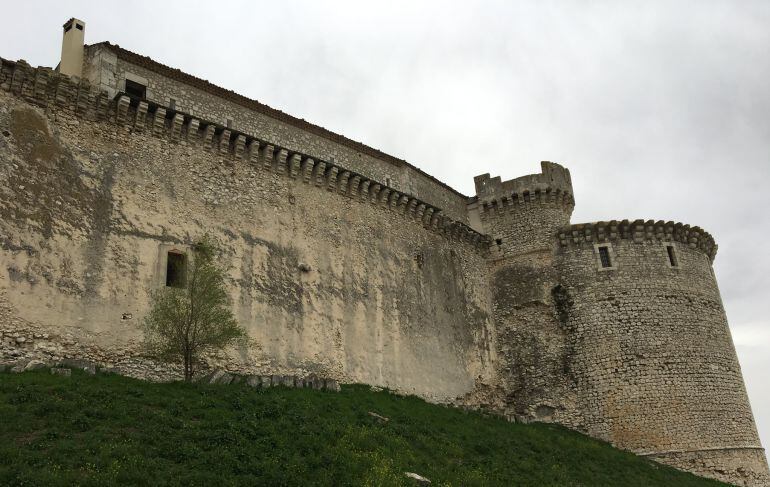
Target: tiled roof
[{"x": 202, "y": 84}]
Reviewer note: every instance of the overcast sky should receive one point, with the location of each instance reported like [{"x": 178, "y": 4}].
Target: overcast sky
[{"x": 660, "y": 111}]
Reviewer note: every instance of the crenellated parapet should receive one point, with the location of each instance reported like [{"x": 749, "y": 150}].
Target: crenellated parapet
[
  {"x": 638, "y": 231},
  {"x": 547, "y": 197},
  {"x": 551, "y": 188},
  {"x": 49, "y": 89}
]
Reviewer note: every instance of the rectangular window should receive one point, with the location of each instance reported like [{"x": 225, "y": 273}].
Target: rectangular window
[
  {"x": 604, "y": 256},
  {"x": 176, "y": 269},
  {"x": 171, "y": 104},
  {"x": 671, "y": 256},
  {"x": 136, "y": 90}
]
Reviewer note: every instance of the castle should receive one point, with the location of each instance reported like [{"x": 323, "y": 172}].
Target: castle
[{"x": 353, "y": 264}]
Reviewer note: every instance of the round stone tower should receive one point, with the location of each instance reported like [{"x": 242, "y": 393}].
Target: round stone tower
[
  {"x": 655, "y": 368},
  {"x": 522, "y": 217}
]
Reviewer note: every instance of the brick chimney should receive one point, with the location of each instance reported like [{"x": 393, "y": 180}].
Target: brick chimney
[{"x": 72, "y": 48}]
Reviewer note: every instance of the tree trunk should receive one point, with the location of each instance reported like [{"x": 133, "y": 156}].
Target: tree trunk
[
  {"x": 192, "y": 367},
  {"x": 187, "y": 368}
]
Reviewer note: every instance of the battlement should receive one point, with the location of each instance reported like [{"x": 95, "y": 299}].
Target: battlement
[
  {"x": 46, "y": 88},
  {"x": 639, "y": 231},
  {"x": 552, "y": 186}
]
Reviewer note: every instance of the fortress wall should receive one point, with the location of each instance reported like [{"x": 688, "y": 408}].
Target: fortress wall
[
  {"x": 337, "y": 274},
  {"x": 655, "y": 366},
  {"x": 522, "y": 217},
  {"x": 327, "y": 277},
  {"x": 109, "y": 71}
]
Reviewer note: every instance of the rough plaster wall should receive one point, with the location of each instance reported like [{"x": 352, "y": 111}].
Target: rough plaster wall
[
  {"x": 90, "y": 210},
  {"x": 656, "y": 370},
  {"x": 201, "y": 104}
]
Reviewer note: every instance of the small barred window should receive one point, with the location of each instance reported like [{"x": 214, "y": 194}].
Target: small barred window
[{"x": 604, "y": 256}]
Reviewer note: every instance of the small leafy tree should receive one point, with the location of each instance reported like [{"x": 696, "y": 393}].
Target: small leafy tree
[{"x": 187, "y": 321}]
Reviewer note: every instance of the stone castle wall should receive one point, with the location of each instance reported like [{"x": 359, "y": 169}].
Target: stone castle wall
[
  {"x": 108, "y": 67},
  {"x": 337, "y": 273},
  {"x": 327, "y": 277}
]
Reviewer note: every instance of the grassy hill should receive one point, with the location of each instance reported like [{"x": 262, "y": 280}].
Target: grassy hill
[{"x": 107, "y": 429}]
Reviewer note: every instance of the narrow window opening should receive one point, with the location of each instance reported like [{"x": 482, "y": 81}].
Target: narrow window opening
[
  {"x": 499, "y": 241},
  {"x": 671, "y": 255},
  {"x": 136, "y": 90},
  {"x": 68, "y": 27},
  {"x": 172, "y": 104},
  {"x": 78, "y": 27},
  {"x": 604, "y": 256},
  {"x": 176, "y": 269}
]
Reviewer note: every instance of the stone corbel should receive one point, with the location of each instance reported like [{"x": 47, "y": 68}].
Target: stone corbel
[
  {"x": 121, "y": 114},
  {"x": 307, "y": 169},
  {"x": 280, "y": 161},
  {"x": 159, "y": 122},
  {"x": 176, "y": 126},
  {"x": 268, "y": 154},
  {"x": 240, "y": 146},
  {"x": 294, "y": 165}
]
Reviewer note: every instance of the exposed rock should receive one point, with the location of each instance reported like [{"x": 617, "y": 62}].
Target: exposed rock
[
  {"x": 331, "y": 385},
  {"x": 219, "y": 377},
  {"x": 418, "y": 479},
  {"x": 379, "y": 417},
  {"x": 34, "y": 365}
]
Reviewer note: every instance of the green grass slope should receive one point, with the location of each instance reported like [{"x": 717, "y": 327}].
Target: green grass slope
[{"x": 107, "y": 430}]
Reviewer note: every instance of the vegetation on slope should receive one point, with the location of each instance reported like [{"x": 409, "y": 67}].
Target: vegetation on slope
[{"x": 107, "y": 430}]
